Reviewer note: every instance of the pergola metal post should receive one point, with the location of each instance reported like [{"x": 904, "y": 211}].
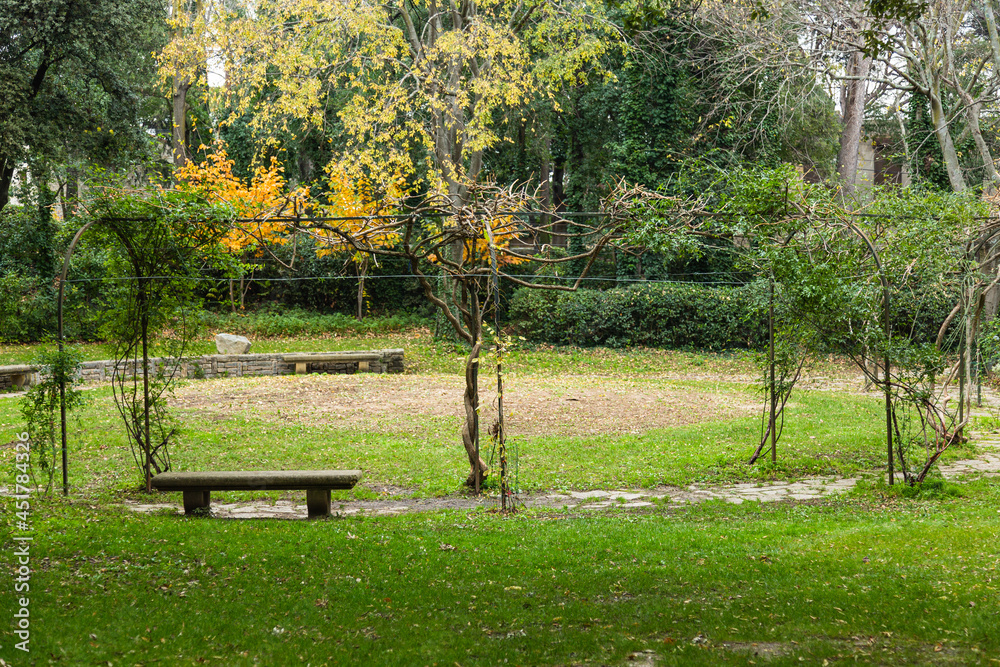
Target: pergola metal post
[
  {"x": 886, "y": 378},
  {"x": 62, "y": 376}
]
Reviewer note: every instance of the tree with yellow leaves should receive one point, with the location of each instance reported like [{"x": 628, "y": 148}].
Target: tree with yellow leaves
[
  {"x": 356, "y": 207},
  {"x": 260, "y": 203},
  {"x": 182, "y": 63},
  {"x": 426, "y": 80}
]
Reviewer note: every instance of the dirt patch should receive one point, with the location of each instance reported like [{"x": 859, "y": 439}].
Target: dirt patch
[
  {"x": 760, "y": 649},
  {"x": 570, "y": 405}
]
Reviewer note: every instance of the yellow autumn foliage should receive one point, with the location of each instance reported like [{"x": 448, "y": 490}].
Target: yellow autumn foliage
[
  {"x": 425, "y": 85},
  {"x": 505, "y": 231}
]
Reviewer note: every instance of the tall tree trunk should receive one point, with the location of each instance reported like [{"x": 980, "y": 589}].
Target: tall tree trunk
[
  {"x": 6, "y": 177},
  {"x": 973, "y": 105},
  {"x": 991, "y": 29},
  {"x": 943, "y": 134},
  {"x": 7, "y": 164},
  {"x": 854, "y": 117},
  {"x": 972, "y": 114},
  {"x": 178, "y": 138},
  {"x": 71, "y": 192}
]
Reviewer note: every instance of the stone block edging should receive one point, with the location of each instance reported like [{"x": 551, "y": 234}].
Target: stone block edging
[{"x": 234, "y": 365}]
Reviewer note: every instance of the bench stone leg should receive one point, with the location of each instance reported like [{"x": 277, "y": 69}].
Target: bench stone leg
[
  {"x": 363, "y": 366},
  {"x": 19, "y": 380},
  {"x": 196, "y": 499},
  {"x": 318, "y": 502}
]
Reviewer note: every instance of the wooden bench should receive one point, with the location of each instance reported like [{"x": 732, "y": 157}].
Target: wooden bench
[
  {"x": 20, "y": 375},
  {"x": 302, "y": 361},
  {"x": 197, "y": 486}
]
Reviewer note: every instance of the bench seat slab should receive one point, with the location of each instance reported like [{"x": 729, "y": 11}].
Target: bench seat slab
[
  {"x": 257, "y": 480},
  {"x": 336, "y": 357},
  {"x": 18, "y": 369}
]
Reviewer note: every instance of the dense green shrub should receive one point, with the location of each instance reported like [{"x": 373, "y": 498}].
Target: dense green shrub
[
  {"x": 919, "y": 314},
  {"x": 651, "y": 314},
  {"x": 26, "y": 252},
  {"x": 31, "y": 248},
  {"x": 684, "y": 316},
  {"x": 27, "y": 308}
]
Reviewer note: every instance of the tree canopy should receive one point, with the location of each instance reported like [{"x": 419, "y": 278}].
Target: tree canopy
[
  {"x": 425, "y": 81},
  {"x": 73, "y": 75}
]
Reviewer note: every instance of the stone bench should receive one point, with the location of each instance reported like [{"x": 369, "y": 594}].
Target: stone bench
[
  {"x": 19, "y": 375},
  {"x": 302, "y": 360},
  {"x": 197, "y": 486}
]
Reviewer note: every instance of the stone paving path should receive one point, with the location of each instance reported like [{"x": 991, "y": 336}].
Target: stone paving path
[{"x": 807, "y": 489}]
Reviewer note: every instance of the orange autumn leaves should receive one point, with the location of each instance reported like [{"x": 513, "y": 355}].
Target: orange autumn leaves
[
  {"x": 256, "y": 202},
  {"x": 360, "y": 205},
  {"x": 264, "y": 203}
]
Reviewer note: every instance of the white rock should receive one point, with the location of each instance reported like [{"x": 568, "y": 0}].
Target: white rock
[{"x": 230, "y": 344}]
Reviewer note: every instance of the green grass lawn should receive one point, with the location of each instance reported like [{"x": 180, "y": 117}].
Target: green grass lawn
[
  {"x": 871, "y": 577},
  {"x": 878, "y": 581},
  {"x": 826, "y": 433}
]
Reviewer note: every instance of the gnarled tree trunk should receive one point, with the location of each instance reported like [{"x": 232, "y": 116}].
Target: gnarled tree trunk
[{"x": 470, "y": 431}]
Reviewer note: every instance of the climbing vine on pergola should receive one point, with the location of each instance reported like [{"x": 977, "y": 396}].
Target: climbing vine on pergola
[
  {"x": 159, "y": 241},
  {"x": 839, "y": 274}
]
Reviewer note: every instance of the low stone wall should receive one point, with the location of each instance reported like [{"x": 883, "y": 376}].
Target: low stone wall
[
  {"x": 7, "y": 381},
  {"x": 17, "y": 374},
  {"x": 234, "y": 365}
]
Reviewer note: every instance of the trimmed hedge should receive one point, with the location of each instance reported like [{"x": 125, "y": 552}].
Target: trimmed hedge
[
  {"x": 646, "y": 314},
  {"x": 686, "y": 316}
]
